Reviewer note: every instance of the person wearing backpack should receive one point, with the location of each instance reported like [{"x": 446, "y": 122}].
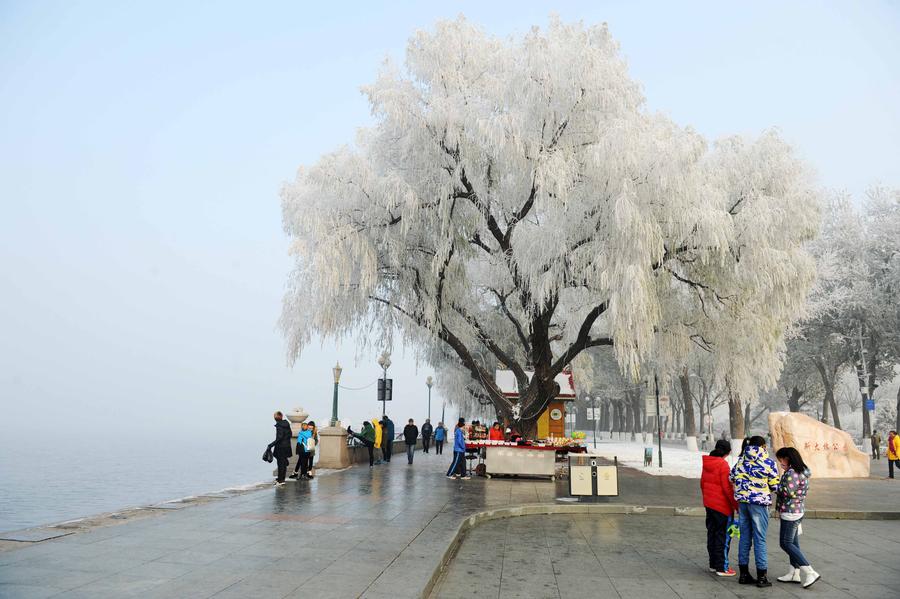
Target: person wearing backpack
[
  {"x": 755, "y": 478},
  {"x": 440, "y": 434},
  {"x": 789, "y": 505},
  {"x": 718, "y": 499},
  {"x": 311, "y": 446},
  {"x": 301, "y": 468}
]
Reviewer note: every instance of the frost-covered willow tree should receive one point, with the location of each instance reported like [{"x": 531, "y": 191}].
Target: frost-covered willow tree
[{"x": 516, "y": 199}]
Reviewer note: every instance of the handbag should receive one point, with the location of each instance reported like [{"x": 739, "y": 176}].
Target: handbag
[{"x": 267, "y": 455}]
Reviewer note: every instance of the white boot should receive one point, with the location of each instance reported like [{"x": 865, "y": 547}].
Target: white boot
[
  {"x": 793, "y": 575},
  {"x": 808, "y": 575}
]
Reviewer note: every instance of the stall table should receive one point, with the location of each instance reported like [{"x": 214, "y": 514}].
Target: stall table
[{"x": 522, "y": 460}]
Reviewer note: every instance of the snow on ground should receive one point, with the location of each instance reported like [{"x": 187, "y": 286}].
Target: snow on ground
[{"x": 677, "y": 459}]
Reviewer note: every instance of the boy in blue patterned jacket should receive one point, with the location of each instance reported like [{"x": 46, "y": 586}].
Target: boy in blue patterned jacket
[{"x": 755, "y": 478}]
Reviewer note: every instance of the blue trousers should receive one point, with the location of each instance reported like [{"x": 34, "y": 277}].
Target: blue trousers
[
  {"x": 458, "y": 465},
  {"x": 790, "y": 542},
  {"x": 754, "y": 526}
]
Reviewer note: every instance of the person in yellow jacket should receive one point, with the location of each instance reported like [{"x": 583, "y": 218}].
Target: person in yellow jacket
[
  {"x": 376, "y": 422},
  {"x": 893, "y": 452}
]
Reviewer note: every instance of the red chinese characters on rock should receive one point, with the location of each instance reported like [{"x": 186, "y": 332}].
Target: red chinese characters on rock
[{"x": 824, "y": 446}]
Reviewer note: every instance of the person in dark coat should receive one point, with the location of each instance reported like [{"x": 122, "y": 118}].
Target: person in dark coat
[
  {"x": 387, "y": 438},
  {"x": 410, "y": 435},
  {"x": 427, "y": 431},
  {"x": 281, "y": 446}
]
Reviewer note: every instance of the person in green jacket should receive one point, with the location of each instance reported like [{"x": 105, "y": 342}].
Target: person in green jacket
[{"x": 367, "y": 437}]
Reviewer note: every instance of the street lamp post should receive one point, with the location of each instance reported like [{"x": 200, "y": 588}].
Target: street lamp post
[
  {"x": 337, "y": 379},
  {"x": 658, "y": 429},
  {"x": 429, "y": 382},
  {"x": 384, "y": 360}
]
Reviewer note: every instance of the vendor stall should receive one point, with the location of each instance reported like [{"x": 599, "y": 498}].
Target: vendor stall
[{"x": 513, "y": 459}]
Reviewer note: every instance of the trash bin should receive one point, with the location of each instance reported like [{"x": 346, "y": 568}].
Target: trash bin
[{"x": 588, "y": 477}]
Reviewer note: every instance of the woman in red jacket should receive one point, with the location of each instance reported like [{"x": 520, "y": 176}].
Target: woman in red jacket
[{"x": 718, "y": 498}]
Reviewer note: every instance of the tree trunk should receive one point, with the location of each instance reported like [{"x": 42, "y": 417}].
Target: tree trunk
[
  {"x": 897, "y": 425},
  {"x": 629, "y": 418},
  {"x": 690, "y": 428},
  {"x": 735, "y": 416},
  {"x": 747, "y": 421},
  {"x": 794, "y": 400},
  {"x": 828, "y": 402}
]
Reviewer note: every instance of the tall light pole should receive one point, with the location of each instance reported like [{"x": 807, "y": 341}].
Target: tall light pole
[
  {"x": 384, "y": 360},
  {"x": 428, "y": 383},
  {"x": 658, "y": 429},
  {"x": 336, "y": 371}
]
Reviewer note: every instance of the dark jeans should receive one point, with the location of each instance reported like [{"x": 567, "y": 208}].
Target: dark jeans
[
  {"x": 458, "y": 465},
  {"x": 789, "y": 541},
  {"x": 302, "y": 461},
  {"x": 410, "y": 450},
  {"x": 387, "y": 450},
  {"x": 310, "y": 456},
  {"x": 426, "y": 443},
  {"x": 876, "y": 452},
  {"x": 891, "y": 467},
  {"x": 439, "y": 447},
  {"x": 754, "y": 525},
  {"x": 282, "y": 468},
  {"x": 369, "y": 446},
  {"x": 716, "y": 533}
]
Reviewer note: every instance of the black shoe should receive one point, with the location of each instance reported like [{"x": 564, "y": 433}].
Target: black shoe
[
  {"x": 745, "y": 577},
  {"x": 294, "y": 475},
  {"x": 762, "y": 580}
]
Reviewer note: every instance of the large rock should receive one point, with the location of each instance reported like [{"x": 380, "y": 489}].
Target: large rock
[{"x": 829, "y": 452}]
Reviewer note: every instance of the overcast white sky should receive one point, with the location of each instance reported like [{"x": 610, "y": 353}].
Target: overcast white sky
[{"x": 143, "y": 146}]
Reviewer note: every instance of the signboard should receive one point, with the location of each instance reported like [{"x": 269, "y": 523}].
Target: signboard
[
  {"x": 385, "y": 389},
  {"x": 870, "y": 405}
]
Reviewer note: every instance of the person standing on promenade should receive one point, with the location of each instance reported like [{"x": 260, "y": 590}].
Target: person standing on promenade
[
  {"x": 311, "y": 448},
  {"x": 379, "y": 439},
  {"x": 754, "y": 477},
  {"x": 440, "y": 433},
  {"x": 458, "y": 465},
  {"x": 367, "y": 437},
  {"x": 281, "y": 446},
  {"x": 301, "y": 468},
  {"x": 496, "y": 433},
  {"x": 876, "y": 445},
  {"x": 789, "y": 505},
  {"x": 718, "y": 499},
  {"x": 387, "y": 438},
  {"x": 427, "y": 432},
  {"x": 410, "y": 435},
  {"x": 893, "y": 452}
]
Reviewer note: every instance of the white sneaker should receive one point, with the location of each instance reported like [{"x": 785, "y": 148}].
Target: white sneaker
[
  {"x": 467, "y": 478},
  {"x": 793, "y": 575},
  {"x": 809, "y": 576}
]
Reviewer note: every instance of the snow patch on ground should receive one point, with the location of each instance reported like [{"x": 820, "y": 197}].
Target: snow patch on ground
[{"x": 677, "y": 460}]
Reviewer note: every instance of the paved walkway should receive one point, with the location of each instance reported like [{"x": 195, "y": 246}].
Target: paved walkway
[
  {"x": 378, "y": 532},
  {"x": 658, "y": 557}
]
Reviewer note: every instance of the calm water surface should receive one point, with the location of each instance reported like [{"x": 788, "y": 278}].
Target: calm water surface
[{"x": 46, "y": 481}]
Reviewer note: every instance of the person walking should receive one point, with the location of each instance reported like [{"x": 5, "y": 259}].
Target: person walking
[
  {"x": 379, "y": 439},
  {"x": 281, "y": 446},
  {"x": 876, "y": 445},
  {"x": 893, "y": 452},
  {"x": 718, "y": 499},
  {"x": 755, "y": 478},
  {"x": 789, "y": 505},
  {"x": 301, "y": 468},
  {"x": 440, "y": 434},
  {"x": 311, "y": 446},
  {"x": 367, "y": 437},
  {"x": 387, "y": 438},
  {"x": 410, "y": 435},
  {"x": 427, "y": 432},
  {"x": 458, "y": 465}
]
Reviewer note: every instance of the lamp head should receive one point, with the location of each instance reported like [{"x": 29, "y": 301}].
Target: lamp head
[
  {"x": 337, "y": 373},
  {"x": 429, "y": 381}
]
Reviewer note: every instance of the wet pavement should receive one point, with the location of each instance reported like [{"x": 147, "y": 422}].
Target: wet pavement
[
  {"x": 379, "y": 532},
  {"x": 625, "y": 557}
]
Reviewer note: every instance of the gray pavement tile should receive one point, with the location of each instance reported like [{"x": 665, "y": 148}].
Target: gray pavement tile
[
  {"x": 192, "y": 556},
  {"x": 26, "y": 591},
  {"x": 157, "y": 569},
  {"x": 582, "y": 587},
  {"x": 119, "y": 585}
]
